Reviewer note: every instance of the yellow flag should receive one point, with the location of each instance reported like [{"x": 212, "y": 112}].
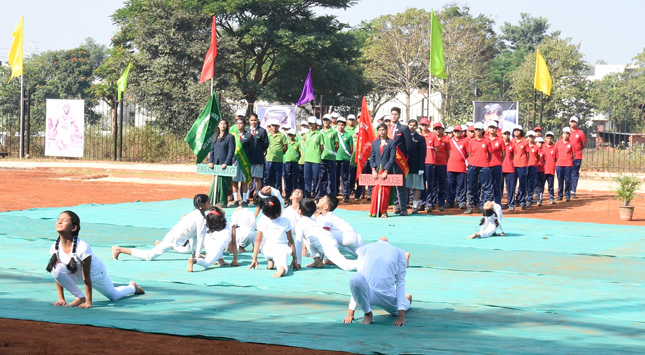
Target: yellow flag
[
  {"x": 15, "y": 53},
  {"x": 542, "y": 81}
]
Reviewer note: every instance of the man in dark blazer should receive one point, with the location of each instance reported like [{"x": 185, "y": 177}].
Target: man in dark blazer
[{"x": 402, "y": 140}]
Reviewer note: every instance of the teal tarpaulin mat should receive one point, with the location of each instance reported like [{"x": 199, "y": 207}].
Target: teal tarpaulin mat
[{"x": 547, "y": 287}]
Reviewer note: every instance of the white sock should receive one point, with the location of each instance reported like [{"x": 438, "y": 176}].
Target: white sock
[
  {"x": 245, "y": 196},
  {"x": 415, "y": 204}
]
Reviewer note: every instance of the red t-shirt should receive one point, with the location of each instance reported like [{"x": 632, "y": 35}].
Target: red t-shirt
[
  {"x": 507, "y": 164},
  {"x": 478, "y": 152},
  {"x": 456, "y": 162},
  {"x": 578, "y": 141},
  {"x": 497, "y": 148},
  {"x": 441, "y": 150},
  {"x": 431, "y": 143},
  {"x": 520, "y": 159},
  {"x": 533, "y": 154},
  {"x": 549, "y": 154},
  {"x": 540, "y": 158},
  {"x": 564, "y": 153}
]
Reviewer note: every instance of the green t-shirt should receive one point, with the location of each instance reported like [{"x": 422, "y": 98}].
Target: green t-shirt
[
  {"x": 301, "y": 144},
  {"x": 352, "y": 159},
  {"x": 313, "y": 141},
  {"x": 350, "y": 130},
  {"x": 275, "y": 152},
  {"x": 330, "y": 139},
  {"x": 292, "y": 153},
  {"x": 345, "y": 144}
]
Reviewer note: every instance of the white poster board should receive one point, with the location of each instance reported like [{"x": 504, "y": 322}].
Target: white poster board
[
  {"x": 283, "y": 113},
  {"x": 504, "y": 111},
  {"x": 65, "y": 128}
]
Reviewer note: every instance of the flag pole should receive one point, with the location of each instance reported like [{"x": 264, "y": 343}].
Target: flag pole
[
  {"x": 22, "y": 118},
  {"x": 534, "y": 105},
  {"x": 541, "y": 106},
  {"x": 211, "y": 86}
]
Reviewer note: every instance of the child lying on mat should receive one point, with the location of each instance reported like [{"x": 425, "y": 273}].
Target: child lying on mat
[
  {"x": 491, "y": 222},
  {"x": 72, "y": 262}
]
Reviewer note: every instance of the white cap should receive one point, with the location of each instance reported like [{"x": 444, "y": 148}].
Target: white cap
[
  {"x": 341, "y": 119},
  {"x": 464, "y": 127},
  {"x": 508, "y": 128},
  {"x": 449, "y": 129},
  {"x": 351, "y": 117},
  {"x": 273, "y": 122},
  {"x": 304, "y": 130},
  {"x": 335, "y": 114},
  {"x": 493, "y": 124},
  {"x": 479, "y": 125},
  {"x": 573, "y": 118},
  {"x": 549, "y": 133},
  {"x": 566, "y": 129},
  {"x": 319, "y": 121},
  {"x": 304, "y": 122},
  {"x": 326, "y": 116},
  {"x": 291, "y": 131},
  {"x": 539, "y": 139},
  {"x": 518, "y": 127},
  {"x": 240, "y": 113},
  {"x": 387, "y": 118},
  {"x": 285, "y": 125},
  {"x": 311, "y": 119},
  {"x": 530, "y": 133}
]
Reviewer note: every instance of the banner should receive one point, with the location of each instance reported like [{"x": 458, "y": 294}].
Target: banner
[
  {"x": 282, "y": 113},
  {"x": 505, "y": 111},
  {"x": 200, "y": 136},
  {"x": 65, "y": 128},
  {"x": 365, "y": 137}
]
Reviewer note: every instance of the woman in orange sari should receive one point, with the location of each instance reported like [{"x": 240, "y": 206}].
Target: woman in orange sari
[{"x": 382, "y": 160}]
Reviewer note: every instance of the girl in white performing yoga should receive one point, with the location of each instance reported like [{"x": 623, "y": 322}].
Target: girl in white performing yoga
[
  {"x": 245, "y": 227},
  {"x": 491, "y": 222},
  {"x": 278, "y": 241},
  {"x": 187, "y": 231},
  {"x": 220, "y": 236},
  {"x": 72, "y": 263}
]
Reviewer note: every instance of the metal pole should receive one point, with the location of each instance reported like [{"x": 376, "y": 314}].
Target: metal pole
[
  {"x": 534, "y": 108},
  {"x": 121, "y": 131},
  {"x": 116, "y": 128},
  {"x": 22, "y": 119},
  {"x": 211, "y": 86},
  {"x": 541, "y": 106},
  {"x": 28, "y": 121}
]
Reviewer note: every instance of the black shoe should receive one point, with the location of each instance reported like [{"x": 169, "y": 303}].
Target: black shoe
[
  {"x": 539, "y": 203},
  {"x": 346, "y": 200},
  {"x": 450, "y": 206},
  {"x": 462, "y": 207},
  {"x": 552, "y": 201},
  {"x": 559, "y": 198},
  {"x": 524, "y": 207},
  {"x": 573, "y": 195},
  {"x": 529, "y": 205},
  {"x": 244, "y": 204},
  {"x": 429, "y": 208},
  {"x": 511, "y": 208},
  {"x": 369, "y": 197},
  {"x": 480, "y": 210},
  {"x": 404, "y": 212},
  {"x": 414, "y": 210},
  {"x": 468, "y": 211},
  {"x": 397, "y": 209},
  {"x": 234, "y": 204},
  {"x": 442, "y": 209},
  {"x": 568, "y": 199}
]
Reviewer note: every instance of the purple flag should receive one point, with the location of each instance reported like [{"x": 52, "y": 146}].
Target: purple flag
[{"x": 307, "y": 91}]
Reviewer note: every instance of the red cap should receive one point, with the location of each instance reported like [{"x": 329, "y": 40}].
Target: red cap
[
  {"x": 538, "y": 128},
  {"x": 425, "y": 121},
  {"x": 471, "y": 127},
  {"x": 437, "y": 125},
  {"x": 457, "y": 128}
]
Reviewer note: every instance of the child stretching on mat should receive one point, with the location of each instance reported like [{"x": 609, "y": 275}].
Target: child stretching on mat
[
  {"x": 343, "y": 232},
  {"x": 67, "y": 253},
  {"x": 245, "y": 227},
  {"x": 278, "y": 242},
  {"x": 491, "y": 222},
  {"x": 189, "y": 228},
  {"x": 320, "y": 241},
  {"x": 220, "y": 236}
]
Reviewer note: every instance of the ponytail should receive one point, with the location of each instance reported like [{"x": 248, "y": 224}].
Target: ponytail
[
  {"x": 198, "y": 201},
  {"x": 54, "y": 258}
]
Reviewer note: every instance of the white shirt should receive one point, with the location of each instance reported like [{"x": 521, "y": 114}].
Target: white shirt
[
  {"x": 83, "y": 251},
  {"x": 308, "y": 229},
  {"x": 276, "y": 193},
  {"x": 274, "y": 231},
  {"x": 383, "y": 265},
  {"x": 292, "y": 215},
  {"x": 244, "y": 218},
  {"x": 192, "y": 226},
  {"x": 335, "y": 223}
]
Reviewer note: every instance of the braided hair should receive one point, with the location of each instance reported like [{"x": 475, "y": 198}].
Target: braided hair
[
  {"x": 198, "y": 201},
  {"x": 72, "y": 266}
]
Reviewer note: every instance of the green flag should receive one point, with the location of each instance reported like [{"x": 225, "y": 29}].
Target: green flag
[
  {"x": 200, "y": 136},
  {"x": 241, "y": 157},
  {"x": 436, "y": 49},
  {"x": 122, "y": 83}
]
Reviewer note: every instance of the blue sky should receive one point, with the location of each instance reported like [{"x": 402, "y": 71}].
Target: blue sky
[{"x": 610, "y": 31}]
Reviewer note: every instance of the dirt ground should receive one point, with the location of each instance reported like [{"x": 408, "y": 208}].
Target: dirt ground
[{"x": 50, "y": 187}]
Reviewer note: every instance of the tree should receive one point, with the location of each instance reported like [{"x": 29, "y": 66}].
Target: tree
[
  {"x": 468, "y": 48},
  {"x": 527, "y": 34},
  {"x": 397, "y": 52},
  {"x": 621, "y": 97},
  {"x": 570, "y": 93}
]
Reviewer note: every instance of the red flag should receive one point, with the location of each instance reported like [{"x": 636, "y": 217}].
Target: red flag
[
  {"x": 365, "y": 138},
  {"x": 208, "y": 70}
]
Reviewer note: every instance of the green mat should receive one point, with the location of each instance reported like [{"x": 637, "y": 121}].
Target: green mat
[{"x": 548, "y": 287}]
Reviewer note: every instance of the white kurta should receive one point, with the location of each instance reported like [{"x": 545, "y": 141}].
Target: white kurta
[
  {"x": 320, "y": 242},
  {"x": 215, "y": 243},
  {"x": 275, "y": 244},
  {"x": 489, "y": 227},
  {"x": 345, "y": 235},
  {"x": 245, "y": 232},
  {"x": 380, "y": 278}
]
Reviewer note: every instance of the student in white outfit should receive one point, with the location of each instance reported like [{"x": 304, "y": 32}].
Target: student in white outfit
[
  {"x": 245, "y": 227},
  {"x": 321, "y": 241},
  {"x": 265, "y": 193},
  {"x": 274, "y": 239},
  {"x": 291, "y": 213},
  {"x": 72, "y": 263},
  {"x": 188, "y": 230},
  {"x": 220, "y": 236},
  {"x": 346, "y": 236},
  {"x": 379, "y": 281},
  {"x": 491, "y": 223}
]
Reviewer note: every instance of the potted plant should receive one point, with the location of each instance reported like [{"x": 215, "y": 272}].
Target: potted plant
[{"x": 626, "y": 192}]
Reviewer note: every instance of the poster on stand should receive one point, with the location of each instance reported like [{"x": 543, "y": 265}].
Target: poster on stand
[
  {"x": 283, "y": 113},
  {"x": 65, "y": 128},
  {"x": 505, "y": 111}
]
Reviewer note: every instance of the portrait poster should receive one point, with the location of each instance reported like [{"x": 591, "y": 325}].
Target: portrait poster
[
  {"x": 64, "y": 128},
  {"x": 283, "y": 113},
  {"x": 504, "y": 111}
]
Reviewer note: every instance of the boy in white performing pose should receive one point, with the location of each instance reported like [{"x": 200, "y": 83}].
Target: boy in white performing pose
[
  {"x": 343, "y": 232},
  {"x": 245, "y": 228},
  {"x": 491, "y": 222},
  {"x": 379, "y": 281},
  {"x": 320, "y": 240}
]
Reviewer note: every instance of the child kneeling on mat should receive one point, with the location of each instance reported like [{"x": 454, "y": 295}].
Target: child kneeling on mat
[{"x": 491, "y": 222}]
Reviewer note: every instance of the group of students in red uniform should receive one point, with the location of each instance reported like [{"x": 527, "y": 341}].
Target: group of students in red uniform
[{"x": 466, "y": 166}]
